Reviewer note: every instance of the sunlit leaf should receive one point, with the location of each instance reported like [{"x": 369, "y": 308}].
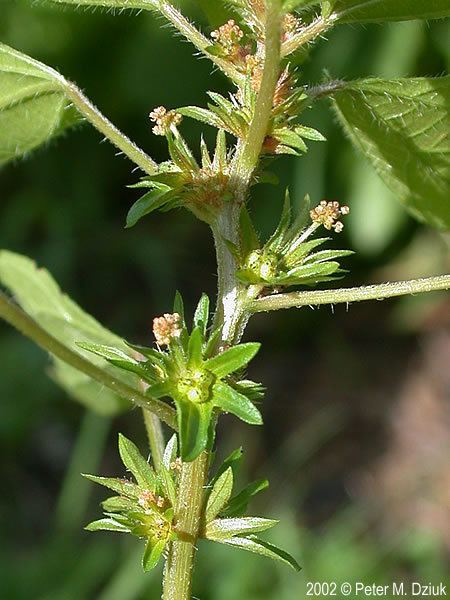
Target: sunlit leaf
[
  {"x": 401, "y": 126},
  {"x": 220, "y": 494},
  {"x": 225, "y": 528},
  {"x": 257, "y": 546},
  {"x": 136, "y": 463}
]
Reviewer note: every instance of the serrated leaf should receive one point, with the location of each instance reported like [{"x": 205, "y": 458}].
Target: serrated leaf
[
  {"x": 33, "y": 104},
  {"x": 170, "y": 451},
  {"x": 220, "y": 494},
  {"x": 201, "y": 314},
  {"x": 136, "y": 463},
  {"x": 401, "y": 126},
  {"x": 233, "y": 359},
  {"x": 226, "y": 528},
  {"x": 109, "y": 524},
  {"x": 290, "y": 138},
  {"x": 120, "y": 486},
  {"x": 257, "y": 546},
  {"x": 230, "y": 400},
  {"x": 237, "y": 506},
  {"x": 42, "y": 299},
  {"x": 352, "y": 11},
  {"x": 193, "y": 425},
  {"x": 153, "y": 552}
]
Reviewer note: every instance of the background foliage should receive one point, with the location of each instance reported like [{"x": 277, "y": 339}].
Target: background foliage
[{"x": 356, "y": 415}]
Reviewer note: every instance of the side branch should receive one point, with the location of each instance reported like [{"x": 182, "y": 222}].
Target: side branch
[
  {"x": 356, "y": 294},
  {"x": 110, "y": 131},
  {"x": 16, "y": 317},
  {"x": 306, "y": 35}
]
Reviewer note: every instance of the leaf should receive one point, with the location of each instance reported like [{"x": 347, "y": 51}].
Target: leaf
[
  {"x": 148, "y": 203},
  {"x": 201, "y": 314},
  {"x": 290, "y": 138},
  {"x": 201, "y": 114},
  {"x": 167, "y": 484},
  {"x": 257, "y": 546},
  {"x": 109, "y": 524},
  {"x": 401, "y": 126},
  {"x": 117, "y": 504},
  {"x": 309, "y": 133},
  {"x": 233, "y": 461},
  {"x": 230, "y": 400},
  {"x": 136, "y": 463},
  {"x": 193, "y": 425},
  {"x": 237, "y": 506},
  {"x": 248, "y": 235},
  {"x": 226, "y": 528},
  {"x": 120, "y": 486},
  {"x": 233, "y": 359},
  {"x": 195, "y": 347},
  {"x": 276, "y": 239},
  {"x": 41, "y": 298},
  {"x": 153, "y": 551},
  {"x": 170, "y": 451},
  {"x": 33, "y": 104},
  {"x": 178, "y": 305},
  {"x": 351, "y": 11},
  {"x": 220, "y": 494},
  {"x": 116, "y": 357}
]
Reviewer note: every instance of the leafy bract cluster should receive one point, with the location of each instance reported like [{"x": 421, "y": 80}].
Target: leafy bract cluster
[
  {"x": 146, "y": 507},
  {"x": 287, "y": 258},
  {"x": 188, "y": 367},
  {"x": 224, "y": 519}
]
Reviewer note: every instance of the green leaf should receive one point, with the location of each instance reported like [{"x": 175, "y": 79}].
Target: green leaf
[
  {"x": 109, "y": 524},
  {"x": 351, "y": 11},
  {"x": 257, "y": 546},
  {"x": 309, "y": 133},
  {"x": 233, "y": 461},
  {"x": 178, "y": 305},
  {"x": 195, "y": 347},
  {"x": 136, "y": 463},
  {"x": 170, "y": 451},
  {"x": 153, "y": 551},
  {"x": 201, "y": 314},
  {"x": 233, "y": 359},
  {"x": 193, "y": 425},
  {"x": 41, "y": 298},
  {"x": 116, "y": 357},
  {"x": 248, "y": 235},
  {"x": 290, "y": 138},
  {"x": 167, "y": 484},
  {"x": 117, "y": 504},
  {"x": 33, "y": 104},
  {"x": 148, "y": 203},
  {"x": 220, "y": 494},
  {"x": 120, "y": 486},
  {"x": 237, "y": 506},
  {"x": 230, "y": 400},
  {"x": 323, "y": 255},
  {"x": 276, "y": 240},
  {"x": 401, "y": 126},
  {"x": 226, "y": 528},
  {"x": 201, "y": 114}
]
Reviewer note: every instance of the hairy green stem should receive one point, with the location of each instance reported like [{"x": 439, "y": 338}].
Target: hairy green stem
[
  {"x": 110, "y": 131},
  {"x": 356, "y": 294},
  {"x": 307, "y": 34},
  {"x": 16, "y": 317},
  {"x": 180, "y": 562},
  {"x": 248, "y": 153},
  {"x": 155, "y": 437}
]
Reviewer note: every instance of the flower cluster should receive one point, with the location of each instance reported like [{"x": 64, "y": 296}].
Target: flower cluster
[
  {"x": 164, "y": 119},
  {"x": 228, "y": 37},
  {"x": 287, "y": 258},
  {"x": 328, "y": 213},
  {"x": 187, "y": 369},
  {"x": 144, "y": 508}
]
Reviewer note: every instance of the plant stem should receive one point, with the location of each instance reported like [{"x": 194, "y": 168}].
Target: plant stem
[
  {"x": 15, "y": 316},
  {"x": 110, "y": 131},
  {"x": 247, "y": 155},
  {"x": 155, "y": 437},
  {"x": 180, "y": 562},
  {"x": 356, "y": 294},
  {"x": 307, "y": 34}
]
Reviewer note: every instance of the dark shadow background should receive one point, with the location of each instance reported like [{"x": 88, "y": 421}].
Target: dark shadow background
[{"x": 356, "y": 436}]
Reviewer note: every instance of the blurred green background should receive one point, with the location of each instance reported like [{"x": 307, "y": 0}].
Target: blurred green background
[{"x": 356, "y": 436}]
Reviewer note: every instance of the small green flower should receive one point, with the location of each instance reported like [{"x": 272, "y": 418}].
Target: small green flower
[
  {"x": 287, "y": 258},
  {"x": 187, "y": 369},
  {"x": 144, "y": 509}
]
